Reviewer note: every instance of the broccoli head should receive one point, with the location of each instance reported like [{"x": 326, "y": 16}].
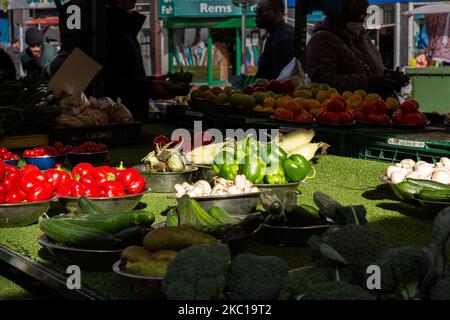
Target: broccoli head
[
  {"x": 298, "y": 282},
  {"x": 256, "y": 278},
  {"x": 402, "y": 270},
  {"x": 336, "y": 290},
  {"x": 441, "y": 291},
  {"x": 197, "y": 273},
  {"x": 360, "y": 246}
]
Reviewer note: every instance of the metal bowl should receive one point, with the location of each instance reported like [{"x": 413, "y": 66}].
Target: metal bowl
[
  {"x": 205, "y": 173},
  {"x": 291, "y": 236},
  {"x": 46, "y": 162},
  {"x": 110, "y": 205},
  {"x": 432, "y": 208},
  {"x": 91, "y": 157},
  {"x": 236, "y": 204},
  {"x": 86, "y": 259},
  {"x": 164, "y": 182},
  {"x": 279, "y": 189},
  {"x": 22, "y": 214},
  {"x": 148, "y": 286}
]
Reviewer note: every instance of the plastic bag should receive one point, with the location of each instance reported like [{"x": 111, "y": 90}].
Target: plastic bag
[{"x": 294, "y": 71}]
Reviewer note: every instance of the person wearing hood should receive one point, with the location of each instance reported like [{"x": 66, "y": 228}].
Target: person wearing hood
[
  {"x": 123, "y": 69},
  {"x": 39, "y": 54},
  {"x": 341, "y": 54}
]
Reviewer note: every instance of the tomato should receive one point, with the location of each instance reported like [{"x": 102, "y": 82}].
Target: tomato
[
  {"x": 369, "y": 108},
  {"x": 345, "y": 117},
  {"x": 359, "y": 115},
  {"x": 408, "y": 107},
  {"x": 335, "y": 105},
  {"x": 398, "y": 117}
]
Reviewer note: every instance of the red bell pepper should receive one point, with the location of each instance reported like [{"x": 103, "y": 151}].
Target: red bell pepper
[
  {"x": 77, "y": 189},
  {"x": 117, "y": 186},
  {"x": 104, "y": 173},
  {"x": 35, "y": 176},
  {"x": 12, "y": 170},
  {"x": 13, "y": 197},
  {"x": 2, "y": 198},
  {"x": 12, "y": 178},
  {"x": 114, "y": 193},
  {"x": 65, "y": 189},
  {"x": 28, "y": 169},
  {"x": 90, "y": 191},
  {"x": 3, "y": 189},
  {"x": 22, "y": 194},
  {"x": 57, "y": 176},
  {"x": 82, "y": 169},
  {"x": 43, "y": 192},
  {"x": 2, "y": 171},
  {"x": 89, "y": 181},
  {"x": 134, "y": 182}
]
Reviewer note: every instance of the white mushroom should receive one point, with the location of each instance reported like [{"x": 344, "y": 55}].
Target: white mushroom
[
  {"x": 412, "y": 175},
  {"x": 391, "y": 170},
  {"x": 407, "y": 163},
  {"x": 442, "y": 176},
  {"x": 419, "y": 163},
  {"x": 424, "y": 170},
  {"x": 398, "y": 177}
]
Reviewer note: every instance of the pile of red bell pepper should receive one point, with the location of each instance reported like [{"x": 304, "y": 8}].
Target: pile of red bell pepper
[{"x": 29, "y": 184}]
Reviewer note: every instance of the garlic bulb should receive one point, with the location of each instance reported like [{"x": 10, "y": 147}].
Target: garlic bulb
[{"x": 442, "y": 176}]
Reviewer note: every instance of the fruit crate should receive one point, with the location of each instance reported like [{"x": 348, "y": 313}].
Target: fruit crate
[
  {"x": 394, "y": 146},
  {"x": 111, "y": 135}
]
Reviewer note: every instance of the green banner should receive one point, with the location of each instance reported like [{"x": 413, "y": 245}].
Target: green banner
[{"x": 200, "y": 8}]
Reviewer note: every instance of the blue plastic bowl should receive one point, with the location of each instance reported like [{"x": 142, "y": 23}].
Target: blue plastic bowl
[
  {"x": 11, "y": 162},
  {"x": 46, "y": 162},
  {"x": 92, "y": 158}
]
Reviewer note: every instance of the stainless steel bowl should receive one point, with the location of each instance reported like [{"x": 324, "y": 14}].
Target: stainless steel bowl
[
  {"x": 164, "y": 182},
  {"x": 148, "y": 286},
  {"x": 109, "y": 205},
  {"x": 279, "y": 189},
  {"x": 205, "y": 173},
  {"x": 236, "y": 204},
  {"x": 86, "y": 259},
  {"x": 22, "y": 214}
]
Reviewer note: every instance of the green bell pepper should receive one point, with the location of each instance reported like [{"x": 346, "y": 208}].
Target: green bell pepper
[
  {"x": 296, "y": 168},
  {"x": 224, "y": 157},
  {"x": 275, "y": 175},
  {"x": 245, "y": 147},
  {"x": 229, "y": 171},
  {"x": 273, "y": 153},
  {"x": 253, "y": 169}
]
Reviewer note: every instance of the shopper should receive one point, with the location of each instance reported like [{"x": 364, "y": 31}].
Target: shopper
[
  {"x": 341, "y": 54},
  {"x": 39, "y": 54},
  {"x": 7, "y": 69},
  {"x": 279, "y": 47},
  {"x": 124, "y": 71},
  {"x": 14, "y": 53}
]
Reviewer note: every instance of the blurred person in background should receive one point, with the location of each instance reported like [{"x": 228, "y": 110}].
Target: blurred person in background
[
  {"x": 279, "y": 46},
  {"x": 14, "y": 53},
  {"x": 38, "y": 55}
]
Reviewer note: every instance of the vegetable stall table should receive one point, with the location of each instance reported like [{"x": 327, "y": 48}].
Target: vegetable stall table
[{"x": 349, "y": 181}]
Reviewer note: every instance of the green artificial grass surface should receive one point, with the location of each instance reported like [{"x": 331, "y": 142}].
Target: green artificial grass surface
[
  {"x": 11, "y": 291},
  {"x": 349, "y": 181}
]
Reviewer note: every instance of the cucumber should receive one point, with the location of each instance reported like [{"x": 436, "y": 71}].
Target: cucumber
[
  {"x": 89, "y": 207},
  {"x": 435, "y": 195},
  {"x": 222, "y": 216},
  {"x": 133, "y": 236},
  {"x": 406, "y": 190},
  {"x": 298, "y": 216},
  {"x": 327, "y": 205},
  {"x": 112, "y": 222},
  {"x": 312, "y": 210},
  {"x": 429, "y": 184},
  {"x": 172, "y": 218},
  {"x": 76, "y": 236}
]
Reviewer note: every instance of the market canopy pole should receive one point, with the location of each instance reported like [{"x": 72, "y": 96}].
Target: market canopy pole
[
  {"x": 244, "y": 4},
  {"x": 300, "y": 30}
]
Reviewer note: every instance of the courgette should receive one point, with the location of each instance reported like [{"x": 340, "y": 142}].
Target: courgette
[
  {"x": 435, "y": 195},
  {"x": 112, "y": 222},
  {"x": 76, "y": 236},
  {"x": 429, "y": 184},
  {"x": 327, "y": 205},
  {"x": 89, "y": 207},
  {"x": 406, "y": 190},
  {"x": 298, "y": 216},
  {"x": 222, "y": 216},
  {"x": 312, "y": 210}
]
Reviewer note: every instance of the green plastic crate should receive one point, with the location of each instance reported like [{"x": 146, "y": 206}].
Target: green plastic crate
[
  {"x": 426, "y": 146},
  {"x": 431, "y": 88}
]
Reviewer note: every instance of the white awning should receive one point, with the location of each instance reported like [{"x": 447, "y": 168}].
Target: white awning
[{"x": 429, "y": 9}]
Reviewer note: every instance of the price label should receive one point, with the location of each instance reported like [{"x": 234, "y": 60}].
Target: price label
[{"x": 406, "y": 143}]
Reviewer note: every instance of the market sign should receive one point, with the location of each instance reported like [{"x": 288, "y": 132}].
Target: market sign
[
  {"x": 33, "y": 4},
  {"x": 200, "y": 8}
]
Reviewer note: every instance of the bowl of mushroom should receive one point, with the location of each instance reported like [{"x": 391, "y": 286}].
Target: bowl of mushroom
[
  {"x": 238, "y": 196},
  {"x": 410, "y": 169}
]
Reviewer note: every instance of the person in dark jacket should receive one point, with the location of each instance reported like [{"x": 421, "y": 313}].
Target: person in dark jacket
[
  {"x": 7, "y": 69},
  {"x": 279, "y": 47},
  {"x": 39, "y": 54},
  {"x": 124, "y": 68},
  {"x": 341, "y": 54}
]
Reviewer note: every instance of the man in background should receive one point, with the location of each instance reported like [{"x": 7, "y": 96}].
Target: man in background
[
  {"x": 14, "y": 53},
  {"x": 279, "y": 47},
  {"x": 39, "y": 54}
]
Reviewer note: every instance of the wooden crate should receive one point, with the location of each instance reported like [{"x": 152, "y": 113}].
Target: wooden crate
[{"x": 29, "y": 141}]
